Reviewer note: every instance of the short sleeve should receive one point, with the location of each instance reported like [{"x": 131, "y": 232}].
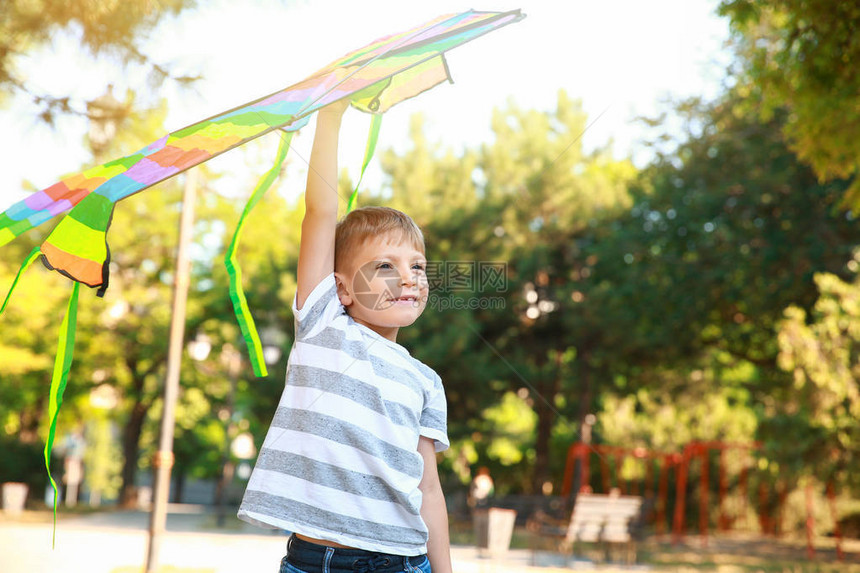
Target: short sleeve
[
  {"x": 321, "y": 306},
  {"x": 434, "y": 418}
]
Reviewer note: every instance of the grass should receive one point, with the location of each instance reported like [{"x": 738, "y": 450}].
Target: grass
[
  {"x": 736, "y": 553},
  {"x": 45, "y": 514},
  {"x": 748, "y": 554}
]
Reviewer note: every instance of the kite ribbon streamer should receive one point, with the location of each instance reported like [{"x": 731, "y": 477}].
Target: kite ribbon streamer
[
  {"x": 237, "y": 293},
  {"x": 368, "y": 155},
  {"x": 34, "y": 254},
  {"x": 62, "y": 365}
]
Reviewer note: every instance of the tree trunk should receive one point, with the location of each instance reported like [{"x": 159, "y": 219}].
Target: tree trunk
[
  {"x": 30, "y": 419},
  {"x": 586, "y": 390},
  {"x": 583, "y": 409},
  {"x": 130, "y": 450},
  {"x": 545, "y": 410},
  {"x": 178, "y": 483},
  {"x": 544, "y": 431}
]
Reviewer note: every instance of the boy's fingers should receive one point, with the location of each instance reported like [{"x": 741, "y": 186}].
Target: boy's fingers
[{"x": 337, "y": 107}]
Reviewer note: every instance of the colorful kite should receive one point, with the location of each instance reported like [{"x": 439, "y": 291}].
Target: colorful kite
[{"x": 374, "y": 78}]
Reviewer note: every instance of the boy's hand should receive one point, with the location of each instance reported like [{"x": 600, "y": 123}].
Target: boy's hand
[{"x": 334, "y": 109}]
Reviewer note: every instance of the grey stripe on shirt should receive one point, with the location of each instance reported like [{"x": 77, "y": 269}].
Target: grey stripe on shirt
[
  {"x": 354, "y": 389},
  {"x": 335, "y": 477},
  {"x": 434, "y": 419},
  {"x": 343, "y": 432},
  {"x": 296, "y": 511},
  {"x": 313, "y": 313},
  {"x": 333, "y": 339}
]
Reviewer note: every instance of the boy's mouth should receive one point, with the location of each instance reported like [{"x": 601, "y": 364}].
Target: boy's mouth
[{"x": 408, "y": 298}]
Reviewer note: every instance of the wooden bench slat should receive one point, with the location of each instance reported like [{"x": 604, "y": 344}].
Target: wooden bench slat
[{"x": 597, "y": 518}]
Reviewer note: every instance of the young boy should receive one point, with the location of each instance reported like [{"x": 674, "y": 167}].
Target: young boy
[{"x": 349, "y": 463}]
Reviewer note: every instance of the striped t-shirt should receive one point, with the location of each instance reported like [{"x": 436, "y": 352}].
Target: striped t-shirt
[{"x": 340, "y": 461}]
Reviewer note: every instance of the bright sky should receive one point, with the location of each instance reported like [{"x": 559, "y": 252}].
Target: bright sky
[{"x": 621, "y": 57}]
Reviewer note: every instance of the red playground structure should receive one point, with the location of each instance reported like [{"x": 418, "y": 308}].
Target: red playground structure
[{"x": 724, "y": 468}]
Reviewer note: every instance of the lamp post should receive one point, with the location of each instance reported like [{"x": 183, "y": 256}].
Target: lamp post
[{"x": 163, "y": 460}]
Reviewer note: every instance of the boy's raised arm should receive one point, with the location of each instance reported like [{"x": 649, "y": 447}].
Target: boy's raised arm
[{"x": 316, "y": 252}]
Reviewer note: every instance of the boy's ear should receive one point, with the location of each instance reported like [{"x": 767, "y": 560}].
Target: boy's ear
[{"x": 342, "y": 291}]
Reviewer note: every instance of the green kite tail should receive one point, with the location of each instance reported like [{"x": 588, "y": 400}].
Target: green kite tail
[
  {"x": 62, "y": 365},
  {"x": 237, "y": 293},
  {"x": 368, "y": 155}
]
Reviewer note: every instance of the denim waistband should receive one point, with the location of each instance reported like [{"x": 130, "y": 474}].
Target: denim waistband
[{"x": 304, "y": 554}]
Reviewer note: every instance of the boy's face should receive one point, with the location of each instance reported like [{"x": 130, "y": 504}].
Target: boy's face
[{"x": 384, "y": 285}]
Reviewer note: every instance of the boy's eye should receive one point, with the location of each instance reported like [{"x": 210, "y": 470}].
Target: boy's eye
[
  {"x": 418, "y": 267},
  {"x": 384, "y": 266}
]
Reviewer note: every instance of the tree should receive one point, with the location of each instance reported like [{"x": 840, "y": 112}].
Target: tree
[
  {"x": 550, "y": 195},
  {"x": 727, "y": 231},
  {"x": 116, "y": 27},
  {"x": 802, "y": 56},
  {"x": 821, "y": 351}
]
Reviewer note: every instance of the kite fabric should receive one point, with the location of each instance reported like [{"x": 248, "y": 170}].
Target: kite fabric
[{"x": 374, "y": 78}]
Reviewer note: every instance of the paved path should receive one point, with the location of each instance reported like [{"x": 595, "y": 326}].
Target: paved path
[{"x": 116, "y": 542}]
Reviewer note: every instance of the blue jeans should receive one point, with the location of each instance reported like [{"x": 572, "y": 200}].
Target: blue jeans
[{"x": 305, "y": 557}]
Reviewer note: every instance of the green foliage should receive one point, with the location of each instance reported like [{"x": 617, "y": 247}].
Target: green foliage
[
  {"x": 821, "y": 350},
  {"x": 726, "y": 232},
  {"x": 802, "y": 56},
  {"x": 666, "y": 422},
  {"x": 510, "y": 426}
]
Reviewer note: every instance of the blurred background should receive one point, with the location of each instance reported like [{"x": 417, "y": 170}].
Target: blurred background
[{"x": 640, "y": 218}]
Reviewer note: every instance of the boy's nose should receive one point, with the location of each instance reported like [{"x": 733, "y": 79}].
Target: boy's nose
[{"x": 409, "y": 277}]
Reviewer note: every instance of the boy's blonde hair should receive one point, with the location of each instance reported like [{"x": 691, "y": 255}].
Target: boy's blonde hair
[{"x": 365, "y": 223}]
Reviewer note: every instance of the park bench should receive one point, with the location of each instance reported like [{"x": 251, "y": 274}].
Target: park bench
[{"x": 610, "y": 521}]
